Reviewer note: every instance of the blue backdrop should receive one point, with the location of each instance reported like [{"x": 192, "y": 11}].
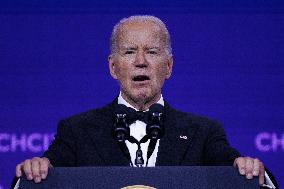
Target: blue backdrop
[{"x": 228, "y": 65}]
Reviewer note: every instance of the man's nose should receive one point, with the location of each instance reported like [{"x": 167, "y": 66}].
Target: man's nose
[{"x": 140, "y": 60}]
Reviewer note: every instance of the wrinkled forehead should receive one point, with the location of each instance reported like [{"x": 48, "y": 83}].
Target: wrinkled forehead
[{"x": 139, "y": 31}]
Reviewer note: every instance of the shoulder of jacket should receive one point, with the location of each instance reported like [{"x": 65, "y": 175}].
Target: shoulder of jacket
[
  {"x": 194, "y": 119},
  {"x": 89, "y": 115}
]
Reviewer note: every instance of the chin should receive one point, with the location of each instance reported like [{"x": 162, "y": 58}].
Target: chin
[{"x": 141, "y": 95}]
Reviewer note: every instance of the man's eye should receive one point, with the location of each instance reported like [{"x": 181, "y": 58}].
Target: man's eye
[
  {"x": 129, "y": 52},
  {"x": 152, "y": 52}
]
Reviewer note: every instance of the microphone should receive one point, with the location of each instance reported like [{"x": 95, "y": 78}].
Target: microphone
[
  {"x": 155, "y": 129},
  {"x": 121, "y": 130}
]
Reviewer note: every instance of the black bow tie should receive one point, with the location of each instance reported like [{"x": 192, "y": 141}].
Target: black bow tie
[{"x": 132, "y": 115}]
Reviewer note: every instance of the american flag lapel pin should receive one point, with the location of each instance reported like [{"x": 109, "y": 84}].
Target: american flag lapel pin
[{"x": 183, "y": 137}]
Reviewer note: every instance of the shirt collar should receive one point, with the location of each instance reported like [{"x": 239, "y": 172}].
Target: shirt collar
[{"x": 121, "y": 100}]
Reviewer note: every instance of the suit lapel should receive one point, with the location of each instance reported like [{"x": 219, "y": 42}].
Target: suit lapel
[
  {"x": 100, "y": 131},
  {"x": 177, "y": 140}
]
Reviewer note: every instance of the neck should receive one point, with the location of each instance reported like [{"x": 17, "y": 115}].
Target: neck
[{"x": 141, "y": 104}]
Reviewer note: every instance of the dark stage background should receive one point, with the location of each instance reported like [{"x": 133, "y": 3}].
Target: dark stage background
[{"x": 228, "y": 65}]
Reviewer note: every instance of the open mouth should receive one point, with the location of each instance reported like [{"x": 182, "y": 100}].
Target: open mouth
[{"x": 141, "y": 78}]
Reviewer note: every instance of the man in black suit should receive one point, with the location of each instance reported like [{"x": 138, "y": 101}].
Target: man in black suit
[{"x": 140, "y": 60}]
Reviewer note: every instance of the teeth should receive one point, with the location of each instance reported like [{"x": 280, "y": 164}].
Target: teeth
[{"x": 141, "y": 78}]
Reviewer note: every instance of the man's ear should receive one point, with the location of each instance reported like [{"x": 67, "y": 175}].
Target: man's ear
[
  {"x": 169, "y": 67},
  {"x": 111, "y": 65}
]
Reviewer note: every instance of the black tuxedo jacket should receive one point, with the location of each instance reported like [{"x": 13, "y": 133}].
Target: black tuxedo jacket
[{"x": 86, "y": 140}]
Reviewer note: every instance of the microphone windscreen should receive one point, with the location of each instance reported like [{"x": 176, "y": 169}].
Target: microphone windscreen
[{"x": 157, "y": 108}]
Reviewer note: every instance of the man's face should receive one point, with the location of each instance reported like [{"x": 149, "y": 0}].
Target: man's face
[{"x": 141, "y": 63}]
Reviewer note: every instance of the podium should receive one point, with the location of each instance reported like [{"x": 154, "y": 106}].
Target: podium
[{"x": 196, "y": 177}]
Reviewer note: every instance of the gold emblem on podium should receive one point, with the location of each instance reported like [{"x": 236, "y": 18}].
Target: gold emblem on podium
[{"x": 138, "y": 187}]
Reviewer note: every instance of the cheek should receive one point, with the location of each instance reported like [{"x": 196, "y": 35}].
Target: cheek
[
  {"x": 123, "y": 77},
  {"x": 121, "y": 72},
  {"x": 161, "y": 74}
]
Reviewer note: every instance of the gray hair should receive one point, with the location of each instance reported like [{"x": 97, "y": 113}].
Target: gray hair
[{"x": 141, "y": 18}]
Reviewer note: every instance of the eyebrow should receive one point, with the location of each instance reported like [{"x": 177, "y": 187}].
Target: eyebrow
[
  {"x": 135, "y": 48},
  {"x": 158, "y": 48},
  {"x": 128, "y": 48}
]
